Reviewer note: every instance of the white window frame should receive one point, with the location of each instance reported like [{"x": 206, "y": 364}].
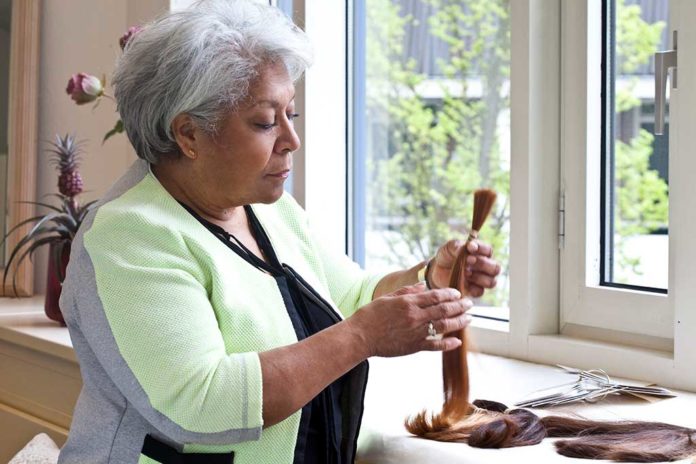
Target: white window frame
[
  {"x": 584, "y": 303},
  {"x": 320, "y": 165},
  {"x": 534, "y": 184},
  {"x": 549, "y": 50},
  {"x": 642, "y": 335}
]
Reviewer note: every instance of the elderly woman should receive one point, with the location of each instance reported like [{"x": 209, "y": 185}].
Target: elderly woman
[{"x": 210, "y": 324}]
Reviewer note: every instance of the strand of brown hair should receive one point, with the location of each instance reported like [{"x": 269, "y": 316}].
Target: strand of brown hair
[{"x": 455, "y": 369}]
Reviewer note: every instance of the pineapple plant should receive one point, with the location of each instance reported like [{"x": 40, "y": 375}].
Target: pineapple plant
[
  {"x": 58, "y": 227},
  {"x": 66, "y": 159}
]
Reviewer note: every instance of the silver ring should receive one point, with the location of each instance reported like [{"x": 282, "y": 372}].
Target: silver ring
[{"x": 431, "y": 329}]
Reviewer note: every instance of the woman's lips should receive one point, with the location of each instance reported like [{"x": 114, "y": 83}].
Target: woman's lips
[{"x": 281, "y": 174}]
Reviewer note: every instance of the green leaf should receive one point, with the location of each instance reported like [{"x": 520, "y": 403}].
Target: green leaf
[
  {"x": 17, "y": 249},
  {"x": 118, "y": 128},
  {"x": 47, "y": 218},
  {"x": 68, "y": 221},
  {"x": 20, "y": 224},
  {"x": 58, "y": 229},
  {"x": 84, "y": 210},
  {"x": 29, "y": 251},
  {"x": 45, "y": 205}
]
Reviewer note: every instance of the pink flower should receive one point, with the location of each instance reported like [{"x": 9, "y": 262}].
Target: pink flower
[
  {"x": 84, "y": 88},
  {"x": 125, "y": 38}
]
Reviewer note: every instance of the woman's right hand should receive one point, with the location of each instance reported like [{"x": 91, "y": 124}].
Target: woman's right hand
[{"x": 397, "y": 324}]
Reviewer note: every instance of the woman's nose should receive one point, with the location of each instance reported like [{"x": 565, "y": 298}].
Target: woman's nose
[{"x": 288, "y": 140}]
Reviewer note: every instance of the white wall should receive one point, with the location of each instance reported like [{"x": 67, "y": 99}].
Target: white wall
[{"x": 82, "y": 36}]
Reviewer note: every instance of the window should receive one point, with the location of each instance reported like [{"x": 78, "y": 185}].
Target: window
[
  {"x": 635, "y": 160},
  {"x": 373, "y": 104},
  {"x": 431, "y": 123},
  {"x": 614, "y": 262},
  {"x": 627, "y": 282}
]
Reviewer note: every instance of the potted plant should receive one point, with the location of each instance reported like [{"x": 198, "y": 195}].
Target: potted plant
[{"x": 58, "y": 227}]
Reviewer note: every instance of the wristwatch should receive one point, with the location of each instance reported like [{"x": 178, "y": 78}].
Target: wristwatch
[{"x": 423, "y": 274}]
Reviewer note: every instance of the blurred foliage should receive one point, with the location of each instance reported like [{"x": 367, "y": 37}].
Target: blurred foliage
[
  {"x": 641, "y": 195},
  {"x": 436, "y": 153},
  {"x": 427, "y": 155}
]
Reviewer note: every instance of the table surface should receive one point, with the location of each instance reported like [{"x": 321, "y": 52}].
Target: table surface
[{"x": 399, "y": 387}]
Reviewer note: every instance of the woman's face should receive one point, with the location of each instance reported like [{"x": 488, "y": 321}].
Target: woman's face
[{"x": 250, "y": 157}]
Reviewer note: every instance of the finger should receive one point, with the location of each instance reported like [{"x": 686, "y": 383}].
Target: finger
[
  {"x": 482, "y": 280},
  {"x": 452, "y": 248},
  {"x": 452, "y": 324},
  {"x": 483, "y": 264},
  {"x": 443, "y": 344},
  {"x": 447, "y": 253},
  {"x": 433, "y": 297},
  {"x": 477, "y": 247},
  {"x": 409, "y": 289},
  {"x": 448, "y": 309},
  {"x": 475, "y": 291}
]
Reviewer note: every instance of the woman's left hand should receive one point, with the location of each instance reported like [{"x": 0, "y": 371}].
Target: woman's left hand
[{"x": 481, "y": 269}]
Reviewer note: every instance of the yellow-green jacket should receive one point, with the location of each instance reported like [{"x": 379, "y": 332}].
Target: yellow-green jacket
[{"x": 167, "y": 324}]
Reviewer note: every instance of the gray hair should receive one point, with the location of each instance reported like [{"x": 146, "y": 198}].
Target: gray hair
[{"x": 200, "y": 61}]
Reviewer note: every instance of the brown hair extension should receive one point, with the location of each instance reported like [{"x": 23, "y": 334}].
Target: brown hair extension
[
  {"x": 489, "y": 424},
  {"x": 455, "y": 370}
]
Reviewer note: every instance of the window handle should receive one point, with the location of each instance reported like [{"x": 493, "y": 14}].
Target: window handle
[{"x": 664, "y": 61}]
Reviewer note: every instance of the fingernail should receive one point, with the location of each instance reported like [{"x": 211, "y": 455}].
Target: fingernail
[
  {"x": 457, "y": 294},
  {"x": 471, "y": 259},
  {"x": 468, "y": 302}
]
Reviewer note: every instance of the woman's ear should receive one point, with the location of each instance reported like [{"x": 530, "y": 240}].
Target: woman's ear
[{"x": 186, "y": 134}]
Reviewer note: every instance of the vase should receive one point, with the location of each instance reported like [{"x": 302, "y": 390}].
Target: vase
[{"x": 58, "y": 256}]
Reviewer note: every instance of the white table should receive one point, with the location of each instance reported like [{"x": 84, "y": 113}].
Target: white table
[{"x": 402, "y": 386}]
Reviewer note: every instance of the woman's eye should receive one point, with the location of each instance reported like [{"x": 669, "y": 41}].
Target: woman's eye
[{"x": 291, "y": 117}]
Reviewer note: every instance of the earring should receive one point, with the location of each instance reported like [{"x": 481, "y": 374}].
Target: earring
[{"x": 193, "y": 154}]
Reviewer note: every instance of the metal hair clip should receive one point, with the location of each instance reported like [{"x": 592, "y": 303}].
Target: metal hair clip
[{"x": 591, "y": 386}]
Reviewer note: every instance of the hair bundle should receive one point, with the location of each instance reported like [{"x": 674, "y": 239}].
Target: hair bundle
[{"x": 489, "y": 424}]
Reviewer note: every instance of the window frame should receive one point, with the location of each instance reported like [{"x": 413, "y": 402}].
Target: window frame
[
  {"x": 636, "y": 333},
  {"x": 321, "y": 167},
  {"x": 584, "y": 301}
]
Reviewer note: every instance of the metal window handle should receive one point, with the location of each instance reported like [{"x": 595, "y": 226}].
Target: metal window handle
[{"x": 664, "y": 61}]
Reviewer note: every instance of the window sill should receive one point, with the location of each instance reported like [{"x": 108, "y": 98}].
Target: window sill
[
  {"x": 646, "y": 365},
  {"x": 24, "y": 323}
]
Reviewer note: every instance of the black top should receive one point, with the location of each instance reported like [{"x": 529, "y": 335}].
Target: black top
[{"x": 320, "y": 432}]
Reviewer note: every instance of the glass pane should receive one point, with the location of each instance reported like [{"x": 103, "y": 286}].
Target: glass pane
[
  {"x": 431, "y": 125},
  {"x": 638, "y": 223}
]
